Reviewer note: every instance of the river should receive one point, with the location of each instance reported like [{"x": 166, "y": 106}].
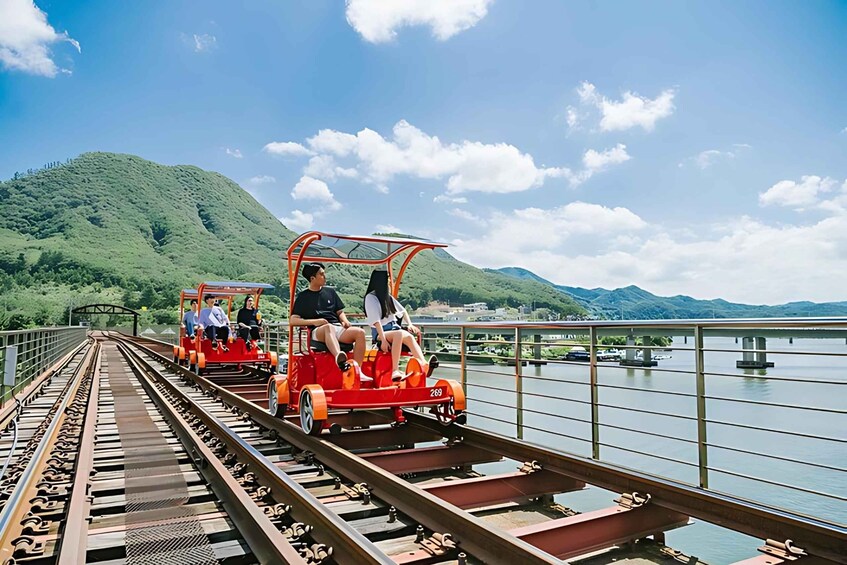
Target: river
[{"x": 556, "y": 401}]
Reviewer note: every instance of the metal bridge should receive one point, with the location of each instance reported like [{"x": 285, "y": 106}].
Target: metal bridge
[{"x": 113, "y": 453}]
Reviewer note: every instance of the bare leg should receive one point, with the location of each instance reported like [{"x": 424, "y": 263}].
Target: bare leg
[
  {"x": 326, "y": 334},
  {"x": 410, "y": 342},
  {"x": 356, "y": 336},
  {"x": 395, "y": 340}
]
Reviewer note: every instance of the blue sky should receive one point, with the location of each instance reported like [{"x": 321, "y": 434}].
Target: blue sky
[{"x": 687, "y": 147}]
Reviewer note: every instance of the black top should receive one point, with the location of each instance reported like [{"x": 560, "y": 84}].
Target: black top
[
  {"x": 247, "y": 316},
  {"x": 324, "y": 303}
]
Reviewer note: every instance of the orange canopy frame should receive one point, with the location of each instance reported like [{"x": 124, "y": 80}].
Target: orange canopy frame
[{"x": 352, "y": 250}]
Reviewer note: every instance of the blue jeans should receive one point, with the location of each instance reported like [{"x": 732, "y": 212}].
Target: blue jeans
[{"x": 391, "y": 326}]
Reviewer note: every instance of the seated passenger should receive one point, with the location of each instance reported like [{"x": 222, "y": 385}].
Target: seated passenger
[
  {"x": 189, "y": 319},
  {"x": 320, "y": 306},
  {"x": 383, "y": 311},
  {"x": 214, "y": 323},
  {"x": 249, "y": 321}
]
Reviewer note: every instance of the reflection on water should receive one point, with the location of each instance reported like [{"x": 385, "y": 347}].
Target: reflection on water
[{"x": 648, "y": 422}]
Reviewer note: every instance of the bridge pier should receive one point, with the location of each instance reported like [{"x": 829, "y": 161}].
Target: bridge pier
[
  {"x": 536, "y": 351},
  {"x": 753, "y": 355},
  {"x": 631, "y": 360}
]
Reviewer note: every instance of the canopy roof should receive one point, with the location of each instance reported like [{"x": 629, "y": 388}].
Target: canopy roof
[
  {"x": 338, "y": 248},
  {"x": 225, "y": 287},
  {"x": 230, "y": 285}
]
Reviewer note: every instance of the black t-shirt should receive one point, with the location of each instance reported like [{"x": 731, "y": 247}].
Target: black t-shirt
[
  {"x": 321, "y": 304},
  {"x": 247, "y": 316}
]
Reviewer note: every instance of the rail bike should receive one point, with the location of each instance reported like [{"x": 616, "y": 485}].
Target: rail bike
[{"x": 315, "y": 386}]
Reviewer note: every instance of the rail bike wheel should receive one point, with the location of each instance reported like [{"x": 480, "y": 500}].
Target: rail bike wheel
[
  {"x": 312, "y": 409},
  {"x": 277, "y": 396}
]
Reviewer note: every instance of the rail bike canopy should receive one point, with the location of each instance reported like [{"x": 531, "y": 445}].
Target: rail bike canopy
[
  {"x": 225, "y": 289},
  {"x": 371, "y": 250}
]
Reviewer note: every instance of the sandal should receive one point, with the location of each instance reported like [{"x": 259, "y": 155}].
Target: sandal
[
  {"x": 341, "y": 359},
  {"x": 432, "y": 365}
]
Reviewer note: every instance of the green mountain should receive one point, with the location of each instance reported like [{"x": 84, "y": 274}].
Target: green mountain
[
  {"x": 120, "y": 229},
  {"x": 634, "y": 303}
]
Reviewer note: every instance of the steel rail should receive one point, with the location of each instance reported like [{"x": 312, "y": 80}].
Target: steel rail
[
  {"x": 349, "y": 545},
  {"x": 471, "y": 534},
  {"x": 14, "y": 509},
  {"x": 264, "y": 538},
  {"x": 73, "y": 543},
  {"x": 817, "y": 537}
]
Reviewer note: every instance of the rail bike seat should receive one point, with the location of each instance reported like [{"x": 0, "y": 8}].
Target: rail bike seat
[
  {"x": 304, "y": 336},
  {"x": 320, "y": 347}
]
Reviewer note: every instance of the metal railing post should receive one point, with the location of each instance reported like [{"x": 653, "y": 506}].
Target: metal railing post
[
  {"x": 595, "y": 394},
  {"x": 463, "y": 359},
  {"x": 702, "y": 450},
  {"x": 518, "y": 384}
]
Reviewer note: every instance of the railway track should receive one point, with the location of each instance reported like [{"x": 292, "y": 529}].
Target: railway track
[
  {"x": 159, "y": 465},
  {"x": 429, "y": 475}
]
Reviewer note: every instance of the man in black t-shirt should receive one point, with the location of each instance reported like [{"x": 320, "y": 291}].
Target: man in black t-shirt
[{"x": 320, "y": 307}]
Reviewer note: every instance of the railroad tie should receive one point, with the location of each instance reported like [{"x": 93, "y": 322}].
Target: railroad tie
[{"x": 155, "y": 487}]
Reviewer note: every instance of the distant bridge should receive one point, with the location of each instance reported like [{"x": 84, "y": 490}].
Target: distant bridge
[{"x": 111, "y": 309}]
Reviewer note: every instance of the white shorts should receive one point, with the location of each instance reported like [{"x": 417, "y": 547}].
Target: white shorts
[{"x": 337, "y": 328}]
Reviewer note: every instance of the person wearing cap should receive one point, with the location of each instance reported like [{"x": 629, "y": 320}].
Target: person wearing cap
[
  {"x": 214, "y": 323},
  {"x": 320, "y": 307}
]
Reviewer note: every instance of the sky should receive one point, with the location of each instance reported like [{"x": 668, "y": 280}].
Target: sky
[{"x": 695, "y": 148}]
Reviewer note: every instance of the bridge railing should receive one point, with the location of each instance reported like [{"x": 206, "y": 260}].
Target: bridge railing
[
  {"x": 37, "y": 349},
  {"x": 754, "y": 408}
]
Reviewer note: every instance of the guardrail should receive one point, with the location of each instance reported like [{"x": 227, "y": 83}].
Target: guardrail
[
  {"x": 753, "y": 408},
  {"x": 36, "y": 349}
]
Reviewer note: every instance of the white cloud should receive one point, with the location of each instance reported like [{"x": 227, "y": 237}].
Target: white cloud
[
  {"x": 25, "y": 39},
  {"x": 467, "y": 216},
  {"x": 234, "y": 153},
  {"x": 263, "y": 179},
  {"x": 844, "y": 130},
  {"x": 799, "y": 196},
  {"x": 572, "y": 117},
  {"x": 377, "y": 21},
  {"x": 388, "y": 228},
  {"x": 324, "y": 167},
  {"x": 629, "y": 112},
  {"x": 469, "y": 166},
  {"x": 204, "y": 42},
  {"x": 286, "y": 148},
  {"x": 597, "y": 161},
  {"x": 610, "y": 247},
  {"x": 298, "y": 221},
  {"x": 532, "y": 230},
  {"x": 308, "y": 188},
  {"x": 446, "y": 199},
  {"x": 709, "y": 157}
]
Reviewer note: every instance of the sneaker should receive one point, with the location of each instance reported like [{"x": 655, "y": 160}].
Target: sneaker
[
  {"x": 341, "y": 359},
  {"x": 398, "y": 376},
  {"x": 433, "y": 364}
]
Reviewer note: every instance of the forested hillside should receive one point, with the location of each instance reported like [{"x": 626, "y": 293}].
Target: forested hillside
[{"x": 117, "y": 228}]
